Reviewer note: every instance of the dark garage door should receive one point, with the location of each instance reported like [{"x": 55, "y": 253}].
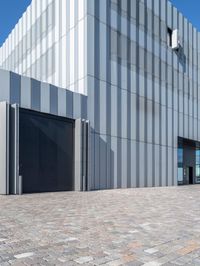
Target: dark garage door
[{"x": 46, "y": 152}]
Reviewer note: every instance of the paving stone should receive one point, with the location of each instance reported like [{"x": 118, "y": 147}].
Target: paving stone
[
  {"x": 23, "y": 255},
  {"x": 130, "y": 227},
  {"x": 152, "y": 263},
  {"x": 83, "y": 260},
  {"x": 151, "y": 250},
  {"x": 114, "y": 263}
]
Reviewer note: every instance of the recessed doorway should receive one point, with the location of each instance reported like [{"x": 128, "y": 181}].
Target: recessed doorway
[
  {"x": 190, "y": 175},
  {"x": 46, "y": 152}
]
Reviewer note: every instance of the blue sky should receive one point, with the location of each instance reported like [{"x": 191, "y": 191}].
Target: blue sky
[
  {"x": 11, "y": 11},
  {"x": 190, "y": 9}
]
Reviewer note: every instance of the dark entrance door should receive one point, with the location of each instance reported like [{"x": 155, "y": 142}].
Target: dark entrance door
[
  {"x": 191, "y": 175},
  {"x": 46, "y": 147}
]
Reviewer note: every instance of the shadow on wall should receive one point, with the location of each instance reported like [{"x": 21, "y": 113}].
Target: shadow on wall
[
  {"x": 102, "y": 163},
  {"x": 112, "y": 163},
  {"x": 181, "y": 58}
]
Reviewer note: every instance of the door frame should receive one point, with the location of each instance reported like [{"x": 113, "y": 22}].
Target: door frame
[{"x": 81, "y": 169}]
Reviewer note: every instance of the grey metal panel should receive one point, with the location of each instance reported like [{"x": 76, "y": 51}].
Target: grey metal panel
[
  {"x": 4, "y": 85},
  {"x": 53, "y": 100},
  {"x": 26, "y": 92},
  {"x": 35, "y": 95},
  {"x": 133, "y": 164},
  {"x": 175, "y": 129},
  {"x": 142, "y": 164},
  {"x": 78, "y": 155},
  {"x": 97, "y": 162},
  {"x": 142, "y": 114},
  {"x": 180, "y": 125},
  {"x": 103, "y": 162},
  {"x": 45, "y": 97},
  {"x": 124, "y": 160},
  {"x": 61, "y": 102},
  {"x": 157, "y": 165},
  {"x": 91, "y": 102},
  {"x": 133, "y": 113},
  {"x": 14, "y": 185},
  {"x": 169, "y": 127},
  {"x": 119, "y": 163},
  {"x": 186, "y": 126},
  {"x": 83, "y": 106},
  {"x": 157, "y": 123},
  {"x": 150, "y": 165},
  {"x": 123, "y": 113},
  {"x": 4, "y": 151},
  {"x": 114, "y": 111},
  {"x": 149, "y": 121},
  {"x": 175, "y": 168},
  {"x": 76, "y": 105},
  {"x": 109, "y": 159},
  {"x": 96, "y": 105},
  {"x": 113, "y": 162},
  {"x": 129, "y": 162},
  {"x": 170, "y": 167},
  {"x": 191, "y": 127},
  {"x": 15, "y": 88},
  {"x": 92, "y": 160},
  {"x": 163, "y": 166},
  {"x": 103, "y": 108},
  {"x": 69, "y": 104},
  {"x": 163, "y": 125}
]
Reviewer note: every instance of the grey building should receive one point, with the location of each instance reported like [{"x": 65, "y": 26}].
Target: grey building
[{"x": 137, "y": 123}]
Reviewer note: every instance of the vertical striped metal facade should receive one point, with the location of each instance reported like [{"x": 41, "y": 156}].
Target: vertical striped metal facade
[
  {"x": 42, "y": 97},
  {"x": 141, "y": 95},
  {"x": 49, "y": 43}
]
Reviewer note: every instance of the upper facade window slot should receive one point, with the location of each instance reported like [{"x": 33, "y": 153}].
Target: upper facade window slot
[
  {"x": 173, "y": 39},
  {"x": 169, "y": 37}
]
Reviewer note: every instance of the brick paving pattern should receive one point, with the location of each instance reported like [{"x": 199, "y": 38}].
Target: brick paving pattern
[{"x": 151, "y": 227}]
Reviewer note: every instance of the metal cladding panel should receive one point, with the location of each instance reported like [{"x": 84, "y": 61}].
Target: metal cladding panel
[
  {"x": 37, "y": 45},
  {"x": 4, "y": 85},
  {"x": 45, "y": 98},
  {"x": 15, "y": 88},
  {"x": 103, "y": 162},
  {"x": 53, "y": 100},
  {"x": 4, "y": 151},
  {"x": 97, "y": 162},
  {"x": 62, "y": 100},
  {"x": 26, "y": 93},
  {"x": 14, "y": 180},
  {"x": 157, "y": 80},
  {"x": 35, "y": 95}
]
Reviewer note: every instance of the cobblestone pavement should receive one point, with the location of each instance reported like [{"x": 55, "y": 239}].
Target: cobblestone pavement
[{"x": 156, "y": 226}]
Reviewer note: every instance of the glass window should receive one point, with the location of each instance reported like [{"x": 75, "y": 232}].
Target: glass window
[
  {"x": 180, "y": 155},
  {"x": 180, "y": 165},
  {"x": 180, "y": 174},
  {"x": 198, "y": 165}
]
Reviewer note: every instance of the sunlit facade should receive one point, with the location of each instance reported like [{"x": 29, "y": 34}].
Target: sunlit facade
[
  {"x": 49, "y": 44},
  {"x": 138, "y": 65}
]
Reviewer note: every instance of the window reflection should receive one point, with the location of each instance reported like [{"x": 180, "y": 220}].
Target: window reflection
[
  {"x": 198, "y": 165},
  {"x": 180, "y": 165}
]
